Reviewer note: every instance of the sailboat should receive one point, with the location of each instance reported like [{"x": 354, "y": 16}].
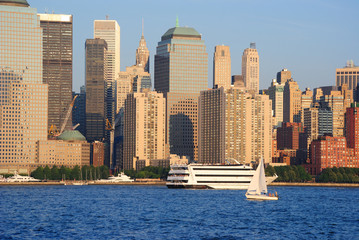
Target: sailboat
[{"x": 257, "y": 189}]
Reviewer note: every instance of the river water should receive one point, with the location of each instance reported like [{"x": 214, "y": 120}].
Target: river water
[{"x": 155, "y": 212}]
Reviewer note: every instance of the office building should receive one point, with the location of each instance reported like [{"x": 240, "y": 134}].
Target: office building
[
  {"x": 79, "y": 111},
  {"x": 181, "y": 72},
  {"x": 348, "y": 75},
  {"x": 143, "y": 55},
  {"x": 144, "y": 128},
  {"x": 96, "y": 53},
  {"x": 222, "y": 67},
  {"x": 250, "y": 68},
  {"x": 335, "y": 101},
  {"x": 237, "y": 81},
  {"x": 57, "y": 66},
  {"x": 234, "y": 126},
  {"x": 292, "y": 102},
  {"x": 283, "y": 76},
  {"x": 307, "y": 100},
  {"x": 23, "y": 96},
  {"x": 318, "y": 121},
  {"x": 275, "y": 92}
]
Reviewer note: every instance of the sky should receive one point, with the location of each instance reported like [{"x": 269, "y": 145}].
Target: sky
[{"x": 311, "y": 38}]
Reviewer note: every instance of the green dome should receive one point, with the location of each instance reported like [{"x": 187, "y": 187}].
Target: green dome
[
  {"x": 18, "y": 3},
  {"x": 181, "y": 32},
  {"x": 71, "y": 135}
]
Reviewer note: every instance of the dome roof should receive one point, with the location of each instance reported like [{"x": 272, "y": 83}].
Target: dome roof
[
  {"x": 71, "y": 135},
  {"x": 181, "y": 32},
  {"x": 18, "y": 3}
]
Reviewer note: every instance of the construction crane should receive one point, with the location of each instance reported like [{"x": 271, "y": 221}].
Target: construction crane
[{"x": 66, "y": 117}]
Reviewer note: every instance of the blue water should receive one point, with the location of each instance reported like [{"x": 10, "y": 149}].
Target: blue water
[{"x": 155, "y": 212}]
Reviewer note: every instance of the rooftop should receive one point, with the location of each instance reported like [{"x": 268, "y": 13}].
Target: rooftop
[
  {"x": 71, "y": 135},
  {"x": 181, "y": 32},
  {"x": 17, "y": 3}
]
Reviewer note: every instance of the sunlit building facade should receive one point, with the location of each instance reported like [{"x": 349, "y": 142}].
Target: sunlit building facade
[
  {"x": 222, "y": 67},
  {"x": 250, "y": 68}
]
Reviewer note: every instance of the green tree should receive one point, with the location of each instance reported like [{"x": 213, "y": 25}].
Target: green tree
[
  {"x": 269, "y": 171},
  {"x": 75, "y": 173},
  {"x": 104, "y": 172},
  {"x": 47, "y": 173},
  {"x": 38, "y": 173},
  {"x": 55, "y": 173}
]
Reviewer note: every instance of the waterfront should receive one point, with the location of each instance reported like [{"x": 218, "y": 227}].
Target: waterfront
[{"x": 155, "y": 212}]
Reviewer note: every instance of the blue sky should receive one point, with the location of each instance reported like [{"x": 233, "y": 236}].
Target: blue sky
[{"x": 309, "y": 37}]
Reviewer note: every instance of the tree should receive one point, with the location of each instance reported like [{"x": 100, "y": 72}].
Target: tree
[
  {"x": 55, "y": 173},
  {"x": 38, "y": 173},
  {"x": 75, "y": 173},
  {"x": 47, "y": 173},
  {"x": 269, "y": 171}
]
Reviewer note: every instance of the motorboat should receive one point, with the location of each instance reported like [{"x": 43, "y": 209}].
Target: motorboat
[
  {"x": 19, "y": 178},
  {"x": 121, "y": 177}
]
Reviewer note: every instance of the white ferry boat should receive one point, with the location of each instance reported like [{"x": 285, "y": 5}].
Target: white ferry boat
[
  {"x": 201, "y": 176},
  {"x": 19, "y": 178}
]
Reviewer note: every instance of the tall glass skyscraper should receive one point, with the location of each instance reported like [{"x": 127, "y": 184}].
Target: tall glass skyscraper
[{"x": 181, "y": 73}]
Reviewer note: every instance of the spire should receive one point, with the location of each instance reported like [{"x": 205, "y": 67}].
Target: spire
[
  {"x": 142, "y": 27},
  {"x": 177, "y": 24}
]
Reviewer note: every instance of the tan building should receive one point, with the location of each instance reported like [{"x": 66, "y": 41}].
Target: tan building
[
  {"x": 23, "y": 97},
  {"x": 250, "y": 68},
  {"x": 348, "y": 75},
  {"x": 234, "y": 125},
  {"x": 307, "y": 100},
  {"x": 335, "y": 101},
  {"x": 292, "y": 102},
  {"x": 222, "y": 67},
  {"x": 283, "y": 76},
  {"x": 70, "y": 150},
  {"x": 132, "y": 80},
  {"x": 97, "y": 154},
  {"x": 275, "y": 92},
  {"x": 143, "y": 55},
  {"x": 144, "y": 128}
]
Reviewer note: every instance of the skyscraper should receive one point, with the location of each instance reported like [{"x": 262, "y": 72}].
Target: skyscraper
[
  {"x": 96, "y": 53},
  {"x": 57, "y": 65},
  {"x": 250, "y": 68},
  {"x": 283, "y": 76},
  {"x": 181, "y": 72},
  {"x": 234, "y": 125},
  {"x": 145, "y": 128},
  {"x": 292, "y": 102},
  {"x": 275, "y": 92},
  {"x": 143, "y": 55},
  {"x": 222, "y": 67},
  {"x": 348, "y": 75},
  {"x": 23, "y": 96}
]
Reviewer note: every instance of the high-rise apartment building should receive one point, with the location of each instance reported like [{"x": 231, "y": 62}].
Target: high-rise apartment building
[
  {"x": 250, "y": 68},
  {"x": 181, "y": 72},
  {"x": 283, "y": 76},
  {"x": 23, "y": 96},
  {"x": 292, "y": 102},
  {"x": 234, "y": 126},
  {"x": 335, "y": 101},
  {"x": 222, "y": 67},
  {"x": 275, "y": 92},
  {"x": 307, "y": 100},
  {"x": 96, "y": 53},
  {"x": 144, "y": 128},
  {"x": 348, "y": 75},
  {"x": 318, "y": 121},
  {"x": 57, "y": 65},
  {"x": 132, "y": 80},
  {"x": 143, "y": 55}
]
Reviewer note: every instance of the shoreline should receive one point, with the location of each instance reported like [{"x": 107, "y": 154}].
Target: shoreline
[{"x": 163, "y": 183}]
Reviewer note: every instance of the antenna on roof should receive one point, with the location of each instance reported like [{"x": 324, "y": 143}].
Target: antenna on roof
[
  {"x": 177, "y": 23},
  {"x": 142, "y": 26},
  {"x": 107, "y": 17}
]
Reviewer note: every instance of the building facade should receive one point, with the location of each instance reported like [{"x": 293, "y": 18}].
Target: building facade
[
  {"x": 283, "y": 76},
  {"x": 275, "y": 92},
  {"x": 181, "y": 72},
  {"x": 250, "y": 68},
  {"x": 292, "y": 102},
  {"x": 348, "y": 75},
  {"x": 23, "y": 96},
  {"x": 96, "y": 50},
  {"x": 144, "y": 128},
  {"x": 143, "y": 55},
  {"x": 222, "y": 67},
  {"x": 57, "y": 66}
]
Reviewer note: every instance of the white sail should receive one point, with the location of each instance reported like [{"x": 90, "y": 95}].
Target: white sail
[{"x": 258, "y": 184}]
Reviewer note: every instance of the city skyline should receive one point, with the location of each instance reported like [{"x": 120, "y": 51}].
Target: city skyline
[{"x": 304, "y": 40}]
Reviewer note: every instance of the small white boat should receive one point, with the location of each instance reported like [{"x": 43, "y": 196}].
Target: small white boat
[
  {"x": 79, "y": 183},
  {"x": 257, "y": 189},
  {"x": 121, "y": 177},
  {"x": 19, "y": 178}
]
